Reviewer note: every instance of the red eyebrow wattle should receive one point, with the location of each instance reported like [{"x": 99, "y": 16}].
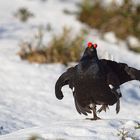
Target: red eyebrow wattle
[
  {"x": 95, "y": 46},
  {"x": 90, "y": 44}
]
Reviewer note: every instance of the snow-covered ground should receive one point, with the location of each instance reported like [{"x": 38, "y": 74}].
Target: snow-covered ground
[{"x": 27, "y": 102}]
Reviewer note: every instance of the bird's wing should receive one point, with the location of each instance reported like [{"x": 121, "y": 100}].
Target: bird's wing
[
  {"x": 64, "y": 79},
  {"x": 122, "y": 71}
]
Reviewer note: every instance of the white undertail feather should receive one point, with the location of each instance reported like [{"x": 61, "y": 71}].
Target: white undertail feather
[
  {"x": 73, "y": 89},
  {"x": 111, "y": 86}
]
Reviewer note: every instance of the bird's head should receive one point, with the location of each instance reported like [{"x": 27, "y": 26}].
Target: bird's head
[
  {"x": 91, "y": 48},
  {"x": 90, "y": 51}
]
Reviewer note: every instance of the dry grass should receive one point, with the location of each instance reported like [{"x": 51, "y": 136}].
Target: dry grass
[
  {"x": 63, "y": 49},
  {"x": 123, "y": 20}
]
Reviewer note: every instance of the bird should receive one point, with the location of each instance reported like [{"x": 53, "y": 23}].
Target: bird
[{"x": 95, "y": 81}]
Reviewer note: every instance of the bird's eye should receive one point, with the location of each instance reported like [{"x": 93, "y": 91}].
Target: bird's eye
[
  {"x": 95, "y": 46},
  {"x": 90, "y": 44}
]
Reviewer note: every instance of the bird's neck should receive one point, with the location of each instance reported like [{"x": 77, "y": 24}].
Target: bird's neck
[{"x": 87, "y": 58}]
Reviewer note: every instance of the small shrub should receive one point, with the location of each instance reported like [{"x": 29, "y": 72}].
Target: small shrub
[
  {"x": 36, "y": 138},
  {"x": 23, "y": 14},
  {"x": 63, "y": 49},
  {"x": 123, "y": 20},
  {"x": 138, "y": 126},
  {"x": 124, "y": 134}
]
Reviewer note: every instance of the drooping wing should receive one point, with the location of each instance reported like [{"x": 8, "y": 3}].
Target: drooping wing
[
  {"x": 122, "y": 70},
  {"x": 64, "y": 79}
]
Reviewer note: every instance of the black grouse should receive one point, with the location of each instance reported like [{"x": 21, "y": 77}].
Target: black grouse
[{"x": 95, "y": 81}]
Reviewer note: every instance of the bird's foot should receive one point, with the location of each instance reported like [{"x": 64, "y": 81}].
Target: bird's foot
[
  {"x": 103, "y": 108},
  {"x": 94, "y": 119}
]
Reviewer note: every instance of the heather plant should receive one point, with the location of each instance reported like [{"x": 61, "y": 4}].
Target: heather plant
[
  {"x": 124, "y": 134},
  {"x": 123, "y": 20},
  {"x": 23, "y": 14},
  {"x": 62, "y": 48}
]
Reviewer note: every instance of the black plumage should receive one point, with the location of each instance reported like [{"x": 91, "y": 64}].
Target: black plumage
[{"x": 95, "y": 81}]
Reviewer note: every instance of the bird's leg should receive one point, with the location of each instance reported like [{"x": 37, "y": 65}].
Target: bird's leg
[
  {"x": 95, "y": 117},
  {"x": 103, "y": 108},
  {"x": 93, "y": 108}
]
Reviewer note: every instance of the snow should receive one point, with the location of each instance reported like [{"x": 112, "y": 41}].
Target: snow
[
  {"x": 133, "y": 42},
  {"x": 28, "y": 105},
  {"x": 110, "y": 37}
]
